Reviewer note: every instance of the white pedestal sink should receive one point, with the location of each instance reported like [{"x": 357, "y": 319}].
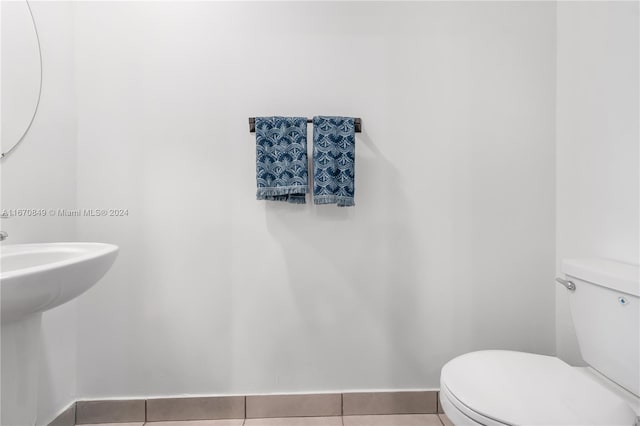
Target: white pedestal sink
[{"x": 33, "y": 279}]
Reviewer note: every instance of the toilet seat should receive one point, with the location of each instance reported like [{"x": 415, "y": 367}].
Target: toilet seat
[
  {"x": 517, "y": 388},
  {"x": 460, "y": 414}
]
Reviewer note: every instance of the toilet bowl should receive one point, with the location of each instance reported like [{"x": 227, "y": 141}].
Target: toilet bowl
[{"x": 516, "y": 388}]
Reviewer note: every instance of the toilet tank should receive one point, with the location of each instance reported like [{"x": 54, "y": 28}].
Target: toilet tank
[{"x": 605, "y": 307}]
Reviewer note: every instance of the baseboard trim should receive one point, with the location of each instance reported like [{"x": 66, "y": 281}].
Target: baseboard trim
[
  {"x": 67, "y": 417},
  {"x": 156, "y": 409}
]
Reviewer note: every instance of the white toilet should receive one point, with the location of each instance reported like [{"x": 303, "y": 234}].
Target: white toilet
[{"x": 517, "y": 388}]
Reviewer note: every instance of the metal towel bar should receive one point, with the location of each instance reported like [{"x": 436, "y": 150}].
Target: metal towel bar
[{"x": 357, "y": 123}]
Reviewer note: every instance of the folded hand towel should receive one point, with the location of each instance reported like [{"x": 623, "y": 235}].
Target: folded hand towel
[
  {"x": 334, "y": 155},
  {"x": 282, "y": 171}
]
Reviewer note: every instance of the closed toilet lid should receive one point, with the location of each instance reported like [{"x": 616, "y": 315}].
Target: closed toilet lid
[{"x": 517, "y": 388}]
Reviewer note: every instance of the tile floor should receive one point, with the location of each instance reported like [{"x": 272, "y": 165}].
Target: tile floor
[{"x": 379, "y": 420}]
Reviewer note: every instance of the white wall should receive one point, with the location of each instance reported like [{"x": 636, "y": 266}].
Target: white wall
[
  {"x": 449, "y": 249},
  {"x": 598, "y": 115},
  {"x": 41, "y": 173}
]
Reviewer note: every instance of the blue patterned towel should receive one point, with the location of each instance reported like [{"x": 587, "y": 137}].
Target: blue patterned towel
[
  {"x": 282, "y": 171},
  {"x": 334, "y": 156}
]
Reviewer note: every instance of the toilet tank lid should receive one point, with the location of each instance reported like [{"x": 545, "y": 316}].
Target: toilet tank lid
[{"x": 606, "y": 273}]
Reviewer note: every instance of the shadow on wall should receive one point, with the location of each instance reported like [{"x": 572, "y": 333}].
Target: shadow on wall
[{"x": 352, "y": 274}]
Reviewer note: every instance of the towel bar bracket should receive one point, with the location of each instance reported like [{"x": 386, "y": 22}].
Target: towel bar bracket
[{"x": 357, "y": 122}]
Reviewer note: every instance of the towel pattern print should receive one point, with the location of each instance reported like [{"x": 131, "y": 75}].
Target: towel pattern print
[
  {"x": 333, "y": 160},
  {"x": 282, "y": 170}
]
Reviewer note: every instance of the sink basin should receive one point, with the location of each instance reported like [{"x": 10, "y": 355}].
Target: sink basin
[{"x": 38, "y": 277}]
